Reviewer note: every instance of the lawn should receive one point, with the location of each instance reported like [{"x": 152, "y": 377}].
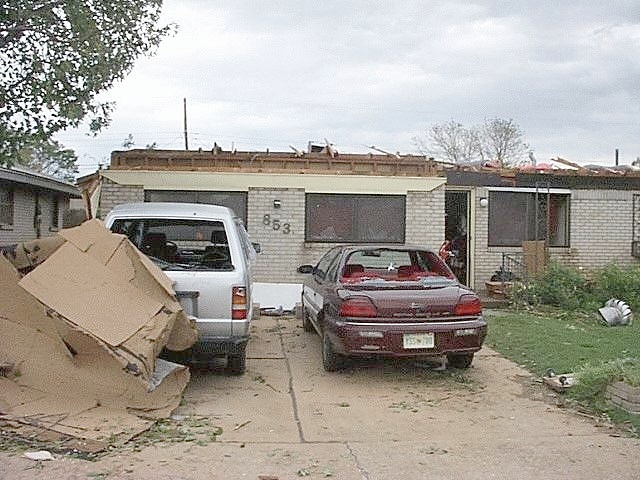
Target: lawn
[
  {"x": 570, "y": 341},
  {"x": 560, "y": 340}
]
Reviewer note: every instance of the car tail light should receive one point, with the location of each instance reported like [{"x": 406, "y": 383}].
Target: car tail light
[
  {"x": 468, "y": 305},
  {"x": 357, "y": 307},
  {"x": 239, "y": 303}
]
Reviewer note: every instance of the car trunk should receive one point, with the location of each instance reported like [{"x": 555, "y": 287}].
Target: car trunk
[{"x": 410, "y": 301}]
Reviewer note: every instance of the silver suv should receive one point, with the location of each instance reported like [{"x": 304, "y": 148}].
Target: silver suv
[{"x": 206, "y": 252}]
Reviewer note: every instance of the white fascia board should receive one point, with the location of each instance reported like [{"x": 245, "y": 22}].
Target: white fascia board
[{"x": 242, "y": 182}]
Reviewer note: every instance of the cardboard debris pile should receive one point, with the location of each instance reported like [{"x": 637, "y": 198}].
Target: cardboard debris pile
[{"x": 80, "y": 334}]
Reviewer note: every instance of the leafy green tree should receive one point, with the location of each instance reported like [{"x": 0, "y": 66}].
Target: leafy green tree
[{"x": 57, "y": 55}]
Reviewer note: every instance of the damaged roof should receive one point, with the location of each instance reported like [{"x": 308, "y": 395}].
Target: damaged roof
[{"x": 558, "y": 172}]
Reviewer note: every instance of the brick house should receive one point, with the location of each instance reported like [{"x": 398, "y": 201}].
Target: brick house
[
  {"x": 32, "y": 205},
  {"x": 298, "y": 205}
]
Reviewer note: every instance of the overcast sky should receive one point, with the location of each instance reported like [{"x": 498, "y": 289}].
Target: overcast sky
[{"x": 263, "y": 74}]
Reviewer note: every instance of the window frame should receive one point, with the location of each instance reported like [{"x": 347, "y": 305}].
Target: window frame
[
  {"x": 54, "y": 212},
  {"x": 564, "y": 194},
  {"x": 354, "y": 199},
  {"x": 197, "y": 194},
  {"x": 7, "y": 201}
]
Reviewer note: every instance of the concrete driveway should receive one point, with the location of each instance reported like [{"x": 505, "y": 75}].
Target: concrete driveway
[{"x": 286, "y": 418}]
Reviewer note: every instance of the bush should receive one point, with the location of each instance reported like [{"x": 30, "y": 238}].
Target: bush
[
  {"x": 571, "y": 289},
  {"x": 559, "y": 285},
  {"x": 617, "y": 282}
]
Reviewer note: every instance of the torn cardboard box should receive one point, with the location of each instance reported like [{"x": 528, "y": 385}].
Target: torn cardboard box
[{"x": 83, "y": 330}]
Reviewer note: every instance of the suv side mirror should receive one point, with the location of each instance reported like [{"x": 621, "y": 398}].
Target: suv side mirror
[{"x": 305, "y": 269}]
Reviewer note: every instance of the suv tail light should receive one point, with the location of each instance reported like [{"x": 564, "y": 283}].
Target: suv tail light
[
  {"x": 468, "y": 305},
  {"x": 238, "y": 303},
  {"x": 357, "y": 307}
]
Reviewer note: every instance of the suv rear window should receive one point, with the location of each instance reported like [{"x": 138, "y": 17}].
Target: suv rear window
[{"x": 177, "y": 244}]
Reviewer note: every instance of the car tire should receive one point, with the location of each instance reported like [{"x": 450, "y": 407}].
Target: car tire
[
  {"x": 307, "y": 326},
  {"x": 462, "y": 360},
  {"x": 236, "y": 364},
  {"x": 331, "y": 361}
]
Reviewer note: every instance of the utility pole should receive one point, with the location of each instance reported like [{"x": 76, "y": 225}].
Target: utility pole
[{"x": 186, "y": 137}]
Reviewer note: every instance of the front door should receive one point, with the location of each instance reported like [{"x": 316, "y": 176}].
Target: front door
[{"x": 457, "y": 226}]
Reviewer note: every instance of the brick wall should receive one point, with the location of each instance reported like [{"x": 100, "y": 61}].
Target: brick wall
[
  {"x": 425, "y": 218},
  {"x": 113, "y": 194},
  {"x": 280, "y": 232},
  {"x": 601, "y": 228}
]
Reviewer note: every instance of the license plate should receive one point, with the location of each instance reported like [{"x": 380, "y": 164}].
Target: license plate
[{"x": 418, "y": 340}]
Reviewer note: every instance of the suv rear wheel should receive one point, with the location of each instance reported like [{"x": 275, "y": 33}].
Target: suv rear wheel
[
  {"x": 236, "y": 364},
  {"x": 307, "y": 326}
]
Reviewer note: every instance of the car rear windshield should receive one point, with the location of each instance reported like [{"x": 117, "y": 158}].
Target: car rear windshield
[
  {"x": 177, "y": 244},
  {"x": 394, "y": 265}
]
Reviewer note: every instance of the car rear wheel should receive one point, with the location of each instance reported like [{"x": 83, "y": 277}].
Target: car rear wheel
[
  {"x": 462, "y": 360},
  {"x": 331, "y": 361},
  {"x": 236, "y": 364},
  {"x": 307, "y": 326}
]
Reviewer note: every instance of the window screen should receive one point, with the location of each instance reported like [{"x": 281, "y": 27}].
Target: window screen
[
  {"x": 6, "y": 205},
  {"x": 355, "y": 218},
  {"x": 517, "y": 216}
]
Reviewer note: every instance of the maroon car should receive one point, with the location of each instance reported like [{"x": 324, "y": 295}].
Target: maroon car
[{"x": 396, "y": 301}]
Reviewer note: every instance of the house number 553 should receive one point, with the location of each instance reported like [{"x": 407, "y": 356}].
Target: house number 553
[{"x": 275, "y": 224}]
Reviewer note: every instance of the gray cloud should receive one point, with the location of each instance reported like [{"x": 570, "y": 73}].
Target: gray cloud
[{"x": 270, "y": 74}]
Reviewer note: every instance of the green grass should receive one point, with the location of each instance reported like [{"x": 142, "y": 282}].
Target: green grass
[{"x": 571, "y": 342}]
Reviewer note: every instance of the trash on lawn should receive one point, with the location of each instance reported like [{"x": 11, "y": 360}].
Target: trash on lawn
[
  {"x": 559, "y": 383},
  {"x": 616, "y": 312},
  {"x": 41, "y": 455},
  {"x": 82, "y": 331}
]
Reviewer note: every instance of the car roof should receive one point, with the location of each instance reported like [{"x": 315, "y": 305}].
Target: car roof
[{"x": 171, "y": 209}]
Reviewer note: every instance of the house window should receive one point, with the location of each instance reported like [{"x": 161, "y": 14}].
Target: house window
[
  {"x": 6, "y": 205},
  {"x": 515, "y": 217},
  {"x": 236, "y": 201},
  {"x": 54, "y": 213},
  {"x": 355, "y": 218}
]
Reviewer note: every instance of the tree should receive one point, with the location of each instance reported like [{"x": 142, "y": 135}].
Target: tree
[
  {"x": 49, "y": 158},
  {"x": 503, "y": 141},
  {"x": 495, "y": 140},
  {"x": 57, "y": 55},
  {"x": 451, "y": 142}
]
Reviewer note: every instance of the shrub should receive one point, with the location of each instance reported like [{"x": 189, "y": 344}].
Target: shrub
[
  {"x": 559, "y": 285},
  {"x": 570, "y": 289},
  {"x": 618, "y": 282}
]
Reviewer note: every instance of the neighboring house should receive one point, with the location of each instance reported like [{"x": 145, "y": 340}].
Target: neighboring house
[
  {"x": 32, "y": 205},
  {"x": 298, "y": 205}
]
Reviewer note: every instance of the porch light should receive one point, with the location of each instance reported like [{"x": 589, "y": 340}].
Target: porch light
[
  {"x": 277, "y": 204},
  {"x": 484, "y": 202}
]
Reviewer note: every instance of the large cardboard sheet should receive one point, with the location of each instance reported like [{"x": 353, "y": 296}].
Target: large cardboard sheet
[{"x": 90, "y": 296}]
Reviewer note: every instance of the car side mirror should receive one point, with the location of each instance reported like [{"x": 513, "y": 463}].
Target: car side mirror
[
  {"x": 257, "y": 247},
  {"x": 305, "y": 269}
]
